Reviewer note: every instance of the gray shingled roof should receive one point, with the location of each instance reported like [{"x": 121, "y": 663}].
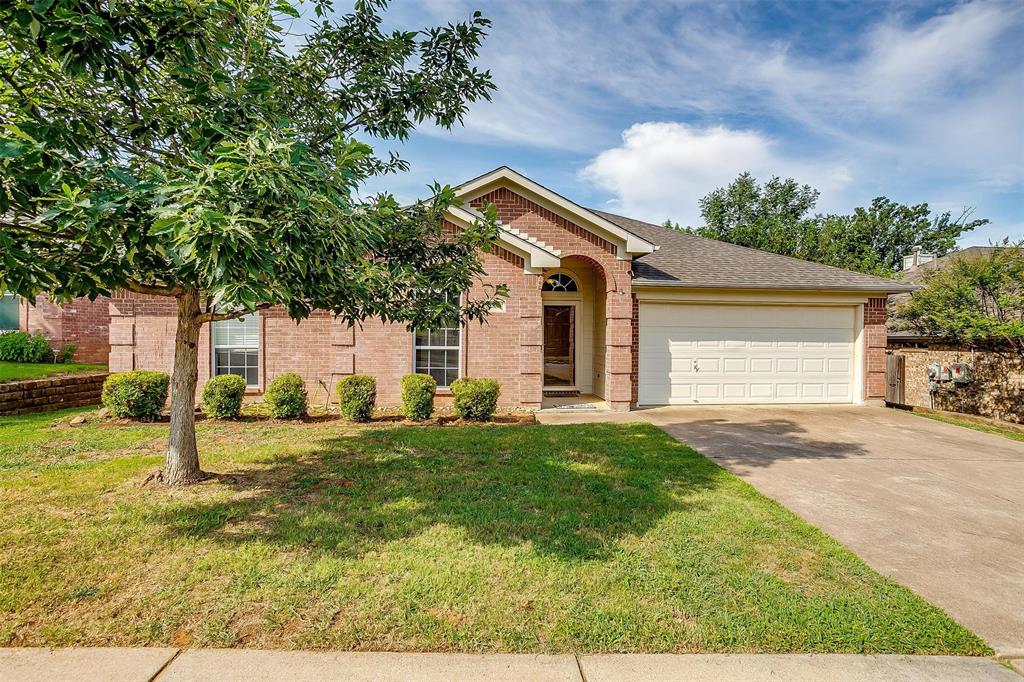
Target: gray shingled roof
[
  {"x": 916, "y": 274},
  {"x": 686, "y": 260}
]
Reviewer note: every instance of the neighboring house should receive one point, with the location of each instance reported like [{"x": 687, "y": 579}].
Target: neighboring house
[
  {"x": 627, "y": 311},
  {"x": 996, "y": 386},
  {"x": 82, "y": 322}
]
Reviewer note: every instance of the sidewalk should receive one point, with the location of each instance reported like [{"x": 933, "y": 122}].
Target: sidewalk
[{"x": 228, "y": 665}]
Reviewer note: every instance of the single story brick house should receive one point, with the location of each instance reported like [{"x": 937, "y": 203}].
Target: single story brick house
[{"x": 616, "y": 309}]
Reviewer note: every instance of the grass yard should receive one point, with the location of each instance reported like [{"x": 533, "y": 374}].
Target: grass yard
[
  {"x": 14, "y": 371},
  {"x": 977, "y": 426},
  {"x": 483, "y": 538}
]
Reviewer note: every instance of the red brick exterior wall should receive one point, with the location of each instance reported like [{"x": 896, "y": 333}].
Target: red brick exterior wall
[
  {"x": 82, "y": 322},
  {"x": 571, "y": 241},
  {"x": 875, "y": 340},
  {"x": 507, "y": 347}
]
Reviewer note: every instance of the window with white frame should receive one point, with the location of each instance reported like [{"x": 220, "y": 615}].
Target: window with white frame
[
  {"x": 437, "y": 353},
  {"x": 236, "y": 348}
]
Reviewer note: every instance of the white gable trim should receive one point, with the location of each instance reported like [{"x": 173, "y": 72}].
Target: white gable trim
[
  {"x": 627, "y": 243},
  {"x": 536, "y": 254}
]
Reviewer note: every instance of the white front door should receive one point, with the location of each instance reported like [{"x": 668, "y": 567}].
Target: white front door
[{"x": 717, "y": 353}]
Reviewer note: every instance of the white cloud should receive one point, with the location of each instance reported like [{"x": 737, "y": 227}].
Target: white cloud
[{"x": 662, "y": 169}]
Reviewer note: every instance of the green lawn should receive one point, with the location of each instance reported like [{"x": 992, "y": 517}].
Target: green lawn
[
  {"x": 987, "y": 428},
  {"x": 487, "y": 538},
  {"x": 13, "y": 371}
]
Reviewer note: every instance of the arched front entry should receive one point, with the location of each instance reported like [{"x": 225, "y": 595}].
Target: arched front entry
[{"x": 574, "y": 303}]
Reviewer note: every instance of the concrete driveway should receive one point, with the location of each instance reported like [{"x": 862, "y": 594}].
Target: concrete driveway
[{"x": 939, "y": 508}]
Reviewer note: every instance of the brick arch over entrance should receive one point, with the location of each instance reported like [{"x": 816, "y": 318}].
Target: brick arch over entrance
[{"x": 573, "y": 241}]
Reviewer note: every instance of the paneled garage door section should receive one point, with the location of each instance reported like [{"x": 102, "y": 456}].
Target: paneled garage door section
[{"x": 708, "y": 354}]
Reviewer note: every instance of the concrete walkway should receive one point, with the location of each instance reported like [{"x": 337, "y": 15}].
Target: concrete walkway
[
  {"x": 229, "y": 665},
  {"x": 937, "y": 507}
]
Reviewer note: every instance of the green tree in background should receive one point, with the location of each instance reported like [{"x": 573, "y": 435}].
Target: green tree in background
[
  {"x": 973, "y": 300},
  {"x": 175, "y": 148},
  {"x": 778, "y": 216}
]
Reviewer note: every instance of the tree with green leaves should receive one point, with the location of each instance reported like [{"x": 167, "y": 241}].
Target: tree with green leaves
[
  {"x": 973, "y": 301},
  {"x": 774, "y": 217},
  {"x": 778, "y": 217},
  {"x": 204, "y": 152}
]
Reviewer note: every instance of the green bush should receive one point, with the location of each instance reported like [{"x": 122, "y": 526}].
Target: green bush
[
  {"x": 136, "y": 395},
  {"x": 356, "y": 395},
  {"x": 24, "y": 347},
  {"x": 418, "y": 396},
  {"x": 286, "y": 397},
  {"x": 475, "y": 399},
  {"x": 222, "y": 396},
  {"x": 67, "y": 353}
]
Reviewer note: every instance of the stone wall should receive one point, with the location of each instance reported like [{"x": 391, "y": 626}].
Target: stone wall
[
  {"x": 56, "y": 393},
  {"x": 997, "y": 390}
]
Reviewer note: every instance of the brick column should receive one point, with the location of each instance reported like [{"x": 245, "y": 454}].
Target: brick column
[
  {"x": 875, "y": 341},
  {"x": 619, "y": 347},
  {"x": 531, "y": 347},
  {"x": 122, "y": 335}
]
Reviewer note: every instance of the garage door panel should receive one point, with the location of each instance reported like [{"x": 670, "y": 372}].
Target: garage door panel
[{"x": 743, "y": 354}]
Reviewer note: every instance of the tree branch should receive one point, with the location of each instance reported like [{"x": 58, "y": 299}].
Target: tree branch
[
  {"x": 220, "y": 317},
  {"x": 153, "y": 290}
]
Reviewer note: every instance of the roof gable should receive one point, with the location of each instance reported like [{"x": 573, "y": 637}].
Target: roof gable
[{"x": 628, "y": 244}]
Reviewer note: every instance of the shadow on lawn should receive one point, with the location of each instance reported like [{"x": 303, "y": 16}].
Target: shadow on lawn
[{"x": 571, "y": 491}]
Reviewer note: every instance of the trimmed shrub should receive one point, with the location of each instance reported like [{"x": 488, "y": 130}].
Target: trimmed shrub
[
  {"x": 356, "y": 396},
  {"x": 475, "y": 399},
  {"x": 222, "y": 396},
  {"x": 139, "y": 394},
  {"x": 67, "y": 353},
  {"x": 286, "y": 397},
  {"x": 418, "y": 396},
  {"x": 24, "y": 347}
]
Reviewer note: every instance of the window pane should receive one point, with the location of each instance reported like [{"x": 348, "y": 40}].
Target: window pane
[
  {"x": 240, "y": 333},
  {"x": 9, "y": 312}
]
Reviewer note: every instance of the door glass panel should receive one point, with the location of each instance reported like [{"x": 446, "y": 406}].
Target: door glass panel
[{"x": 559, "y": 345}]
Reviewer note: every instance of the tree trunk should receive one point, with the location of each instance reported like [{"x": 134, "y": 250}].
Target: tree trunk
[{"x": 182, "y": 467}]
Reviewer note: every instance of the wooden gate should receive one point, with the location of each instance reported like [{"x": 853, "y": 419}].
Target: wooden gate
[{"x": 895, "y": 366}]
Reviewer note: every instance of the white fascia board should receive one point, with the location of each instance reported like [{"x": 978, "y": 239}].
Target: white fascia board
[
  {"x": 629, "y": 244},
  {"x": 535, "y": 257}
]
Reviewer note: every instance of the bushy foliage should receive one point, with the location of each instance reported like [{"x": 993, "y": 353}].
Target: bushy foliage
[
  {"x": 139, "y": 394},
  {"x": 67, "y": 353},
  {"x": 24, "y": 347},
  {"x": 475, "y": 399},
  {"x": 356, "y": 396},
  {"x": 418, "y": 396},
  {"x": 973, "y": 300},
  {"x": 286, "y": 397},
  {"x": 222, "y": 396},
  {"x": 778, "y": 216}
]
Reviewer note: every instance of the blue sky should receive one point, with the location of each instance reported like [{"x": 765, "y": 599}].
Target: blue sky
[{"x": 644, "y": 107}]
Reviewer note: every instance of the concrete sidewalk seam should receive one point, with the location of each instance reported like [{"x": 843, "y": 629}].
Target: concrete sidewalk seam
[{"x": 167, "y": 663}]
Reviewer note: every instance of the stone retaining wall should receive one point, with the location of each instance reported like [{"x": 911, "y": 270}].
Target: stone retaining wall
[
  {"x": 55, "y": 393},
  {"x": 997, "y": 390}
]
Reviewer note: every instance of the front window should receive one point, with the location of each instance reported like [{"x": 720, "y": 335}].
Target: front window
[
  {"x": 437, "y": 353},
  {"x": 9, "y": 317},
  {"x": 236, "y": 348}
]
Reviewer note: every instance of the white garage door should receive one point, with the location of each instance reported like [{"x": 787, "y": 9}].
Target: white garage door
[{"x": 706, "y": 354}]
